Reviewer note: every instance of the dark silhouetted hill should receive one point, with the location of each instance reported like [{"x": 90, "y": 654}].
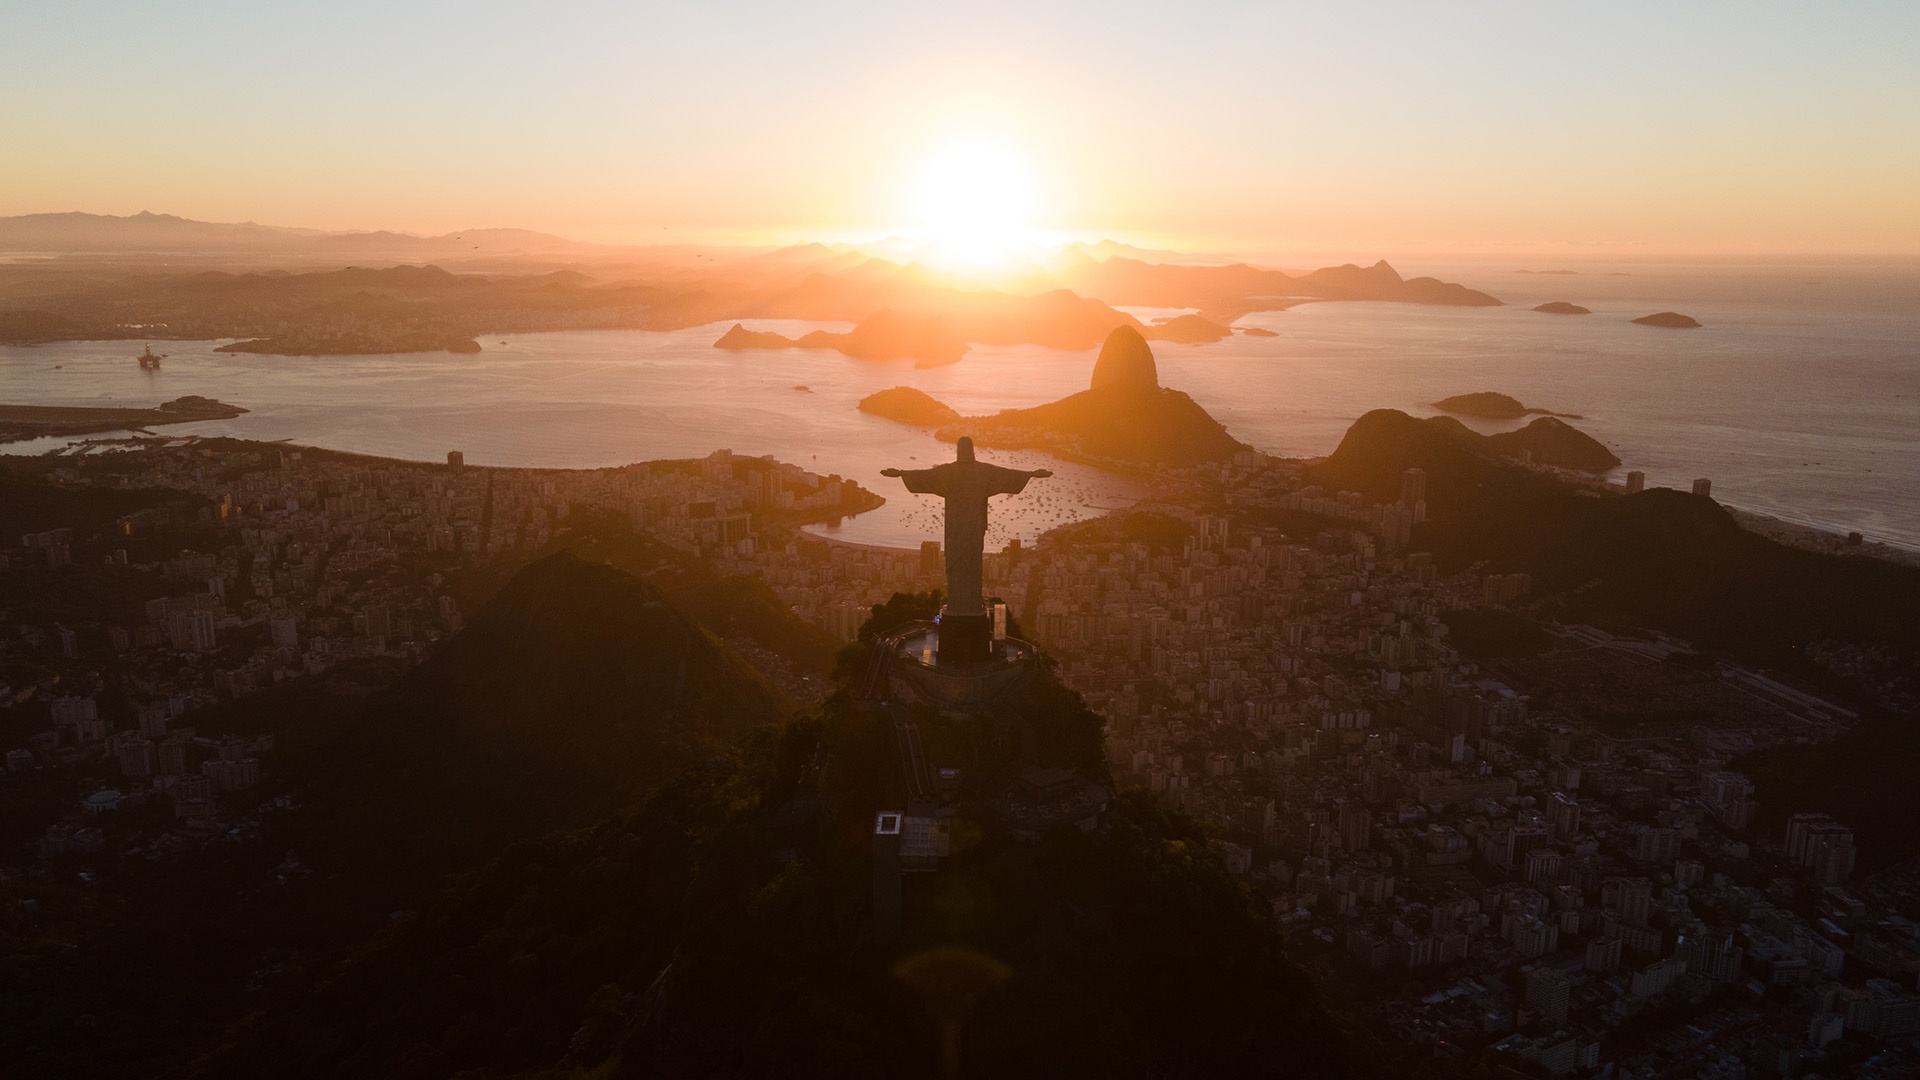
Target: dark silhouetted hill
[
  {"x": 723, "y": 927},
  {"x": 1125, "y": 417},
  {"x": 34, "y": 327},
  {"x": 1125, "y": 363},
  {"x": 569, "y": 695},
  {"x": 1561, "y": 307},
  {"x": 1660, "y": 558},
  {"x": 741, "y": 607},
  {"x": 1864, "y": 778},
  {"x": 1551, "y": 441}
]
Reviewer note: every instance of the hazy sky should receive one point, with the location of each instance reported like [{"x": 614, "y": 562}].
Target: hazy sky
[{"x": 1614, "y": 127}]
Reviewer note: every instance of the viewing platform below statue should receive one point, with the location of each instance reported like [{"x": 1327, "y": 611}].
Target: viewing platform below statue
[{"x": 925, "y": 671}]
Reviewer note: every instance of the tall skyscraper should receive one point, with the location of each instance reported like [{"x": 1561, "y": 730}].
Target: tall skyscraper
[
  {"x": 1413, "y": 487},
  {"x": 1636, "y": 481}
]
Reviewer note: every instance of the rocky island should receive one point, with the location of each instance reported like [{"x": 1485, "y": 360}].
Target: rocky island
[
  {"x": 926, "y": 340},
  {"x": 37, "y": 421},
  {"x": 1491, "y": 405},
  {"x": 1671, "y": 320},
  {"x": 1561, "y": 307},
  {"x": 905, "y": 405}
]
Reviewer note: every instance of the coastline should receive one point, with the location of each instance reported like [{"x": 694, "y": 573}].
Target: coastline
[{"x": 1825, "y": 540}]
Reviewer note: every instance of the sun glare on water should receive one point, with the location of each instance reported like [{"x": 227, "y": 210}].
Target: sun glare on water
[{"x": 976, "y": 202}]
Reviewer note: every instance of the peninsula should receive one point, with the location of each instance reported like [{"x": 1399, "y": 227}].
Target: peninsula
[
  {"x": 926, "y": 340},
  {"x": 1125, "y": 417},
  {"x": 355, "y": 343},
  {"x": 37, "y": 421}
]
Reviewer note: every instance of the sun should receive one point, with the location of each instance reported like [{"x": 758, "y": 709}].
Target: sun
[{"x": 976, "y": 201}]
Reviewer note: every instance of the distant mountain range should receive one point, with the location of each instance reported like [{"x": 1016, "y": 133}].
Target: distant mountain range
[
  {"x": 304, "y": 292},
  {"x": 148, "y": 232}
]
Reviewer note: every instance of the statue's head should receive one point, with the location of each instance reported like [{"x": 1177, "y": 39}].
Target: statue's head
[{"x": 964, "y": 450}]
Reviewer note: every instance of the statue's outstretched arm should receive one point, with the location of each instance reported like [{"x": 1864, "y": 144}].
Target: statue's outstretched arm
[{"x": 920, "y": 481}]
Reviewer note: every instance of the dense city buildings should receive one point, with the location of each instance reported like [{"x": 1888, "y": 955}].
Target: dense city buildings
[{"x": 1503, "y": 848}]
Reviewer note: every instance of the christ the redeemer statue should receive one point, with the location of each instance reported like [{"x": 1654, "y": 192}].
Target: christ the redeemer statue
[{"x": 965, "y": 484}]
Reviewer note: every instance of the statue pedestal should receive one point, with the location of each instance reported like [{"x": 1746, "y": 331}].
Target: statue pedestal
[
  {"x": 918, "y": 677},
  {"x": 965, "y": 639}
]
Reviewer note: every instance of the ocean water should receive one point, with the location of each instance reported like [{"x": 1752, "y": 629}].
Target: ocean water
[{"x": 1799, "y": 397}]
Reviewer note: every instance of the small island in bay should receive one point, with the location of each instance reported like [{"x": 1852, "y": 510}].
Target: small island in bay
[
  {"x": 1561, "y": 307},
  {"x": 1492, "y": 405},
  {"x": 905, "y": 405},
  {"x": 1672, "y": 320},
  {"x": 1260, "y": 331},
  {"x": 37, "y": 421}
]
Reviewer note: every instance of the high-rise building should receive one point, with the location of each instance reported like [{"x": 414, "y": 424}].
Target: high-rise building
[
  {"x": 1603, "y": 954},
  {"x": 137, "y": 757},
  {"x": 1564, "y": 812},
  {"x": 931, "y": 564},
  {"x": 1550, "y": 992},
  {"x": 1532, "y": 937},
  {"x": 285, "y": 631},
  {"x": 1632, "y": 898},
  {"x": 1657, "y": 978},
  {"x": 1413, "y": 487},
  {"x": 200, "y": 632},
  {"x": 1703, "y": 487},
  {"x": 1636, "y": 481},
  {"x": 173, "y": 755},
  {"x": 456, "y": 460},
  {"x": 1356, "y": 827},
  {"x": 1821, "y": 844}
]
